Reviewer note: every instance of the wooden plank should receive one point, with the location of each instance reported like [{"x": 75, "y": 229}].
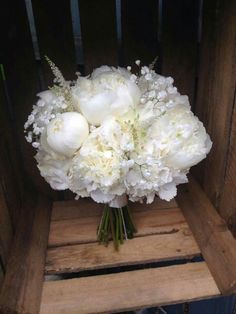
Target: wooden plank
[
  {"x": 86, "y": 207},
  {"x": 23, "y": 84},
  {"x": 1, "y": 275},
  {"x": 22, "y": 286},
  {"x": 55, "y": 36},
  {"x": 129, "y": 290},
  {"x": 177, "y": 244},
  {"x": 179, "y": 43},
  {"x": 10, "y": 169},
  {"x": 83, "y": 230},
  {"x": 6, "y": 232},
  {"x": 140, "y": 31},
  {"x": 227, "y": 205},
  {"x": 212, "y": 235},
  {"x": 217, "y": 55},
  {"x": 98, "y": 25}
]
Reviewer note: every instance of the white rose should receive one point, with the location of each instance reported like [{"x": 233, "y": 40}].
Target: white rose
[
  {"x": 66, "y": 133},
  {"x": 108, "y": 94}
]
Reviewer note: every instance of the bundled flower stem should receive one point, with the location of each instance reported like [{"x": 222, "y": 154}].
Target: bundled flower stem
[{"x": 116, "y": 224}]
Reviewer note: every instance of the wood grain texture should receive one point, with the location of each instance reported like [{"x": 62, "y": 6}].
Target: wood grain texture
[
  {"x": 98, "y": 25},
  {"x": 227, "y": 205},
  {"x": 55, "y": 36},
  {"x": 177, "y": 244},
  {"x": 128, "y": 290},
  {"x": 86, "y": 207},
  {"x": 215, "y": 98},
  {"x": 179, "y": 43},
  {"x": 6, "y": 230},
  {"x": 22, "y": 286},
  {"x": 212, "y": 235},
  {"x": 81, "y": 223}
]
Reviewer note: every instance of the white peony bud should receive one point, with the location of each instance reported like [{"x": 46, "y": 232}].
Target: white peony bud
[{"x": 66, "y": 133}]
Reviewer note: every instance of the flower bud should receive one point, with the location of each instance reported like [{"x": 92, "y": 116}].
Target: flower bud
[{"x": 66, "y": 133}]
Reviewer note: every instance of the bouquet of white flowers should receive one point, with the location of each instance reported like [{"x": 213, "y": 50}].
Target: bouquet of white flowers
[{"x": 114, "y": 136}]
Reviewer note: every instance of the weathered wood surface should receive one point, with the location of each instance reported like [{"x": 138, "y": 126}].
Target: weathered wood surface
[
  {"x": 6, "y": 230},
  {"x": 179, "y": 43},
  {"x": 168, "y": 245},
  {"x": 85, "y": 207},
  {"x": 227, "y": 205},
  {"x": 216, "y": 92},
  {"x": 129, "y": 290},
  {"x": 212, "y": 235},
  {"x": 22, "y": 286},
  {"x": 98, "y": 25},
  {"x": 79, "y": 220}
]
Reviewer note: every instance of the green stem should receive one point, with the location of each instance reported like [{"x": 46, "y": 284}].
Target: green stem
[
  {"x": 117, "y": 228},
  {"x": 113, "y": 229},
  {"x": 121, "y": 225},
  {"x": 117, "y": 223}
]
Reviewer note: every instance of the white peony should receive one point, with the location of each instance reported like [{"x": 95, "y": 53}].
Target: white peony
[
  {"x": 66, "y": 133},
  {"x": 107, "y": 94},
  {"x": 180, "y": 138}
]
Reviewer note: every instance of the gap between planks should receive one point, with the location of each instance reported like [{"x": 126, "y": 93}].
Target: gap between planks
[
  {"x": 162, "y": 235},
  {"x": 141, "y": 250},
  {"x": 129, "y": 290}
]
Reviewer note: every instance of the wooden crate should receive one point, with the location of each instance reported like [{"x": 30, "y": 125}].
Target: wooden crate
[
  {"x": 184, "y": 249},
  {"x": 163, "y": 236}
]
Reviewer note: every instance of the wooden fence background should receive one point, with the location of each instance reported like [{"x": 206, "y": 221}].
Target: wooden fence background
[{"x": 195, "y": 42}]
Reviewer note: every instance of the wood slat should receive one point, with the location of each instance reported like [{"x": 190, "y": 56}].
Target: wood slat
[
  {"x": 23, "y": 84},
  {"x": 178, "y": 244},
  {"x": 212, "y": 235},
  {"x": 216, "y": 91},
  {"x": 179, "y": 43},
  {"x": 22, "y": 286},
  {"x": 98, "y": 25},
  {"x": 6, "y": 230},
  {"x": 227, "y": 205},
  {"x": 83, "y": 229},
  {"x": 139, "y": 31},
  {"x": 129, "y": 290},
  {"x": 10, "y": 169},
  {"x": 55, "y": 36},
  {"x": 86, "y": 207}
]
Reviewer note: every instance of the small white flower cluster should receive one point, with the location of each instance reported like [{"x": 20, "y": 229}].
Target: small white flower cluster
[
  {"x": 46, "y": 109},
  {"x": 115, "y": 133}
]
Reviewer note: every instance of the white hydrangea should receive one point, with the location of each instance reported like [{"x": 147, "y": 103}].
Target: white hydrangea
[{"x": 101, "y": 164}]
